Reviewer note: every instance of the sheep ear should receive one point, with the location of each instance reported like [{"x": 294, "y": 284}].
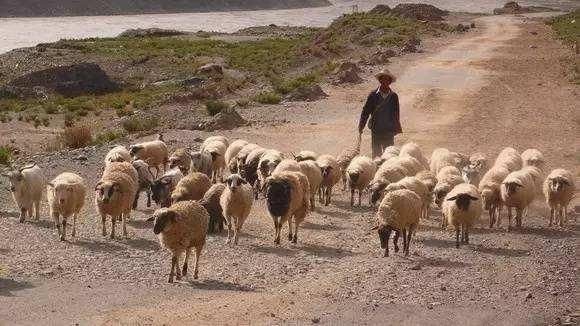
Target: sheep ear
[
  {"x": 214, "y": 155},
  {"x": 50, "y": 184},
  {"x": 151, "y": 219},
  {"x": 472, "y": 198},
  {"x": 452, "y": 198},
  {"x": 518, "y": 184},
  {"x": 566, "y": 182},
  {"x": 376, "y": 227},
  {"x": 160, "y": 137},
  {"x": 98, "y": 185}
]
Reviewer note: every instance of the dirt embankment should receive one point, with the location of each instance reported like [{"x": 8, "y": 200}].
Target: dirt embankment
[{"x": 52, "y": 8}]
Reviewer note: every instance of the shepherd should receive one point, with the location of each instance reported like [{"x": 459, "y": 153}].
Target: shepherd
[{"x": 382, "y": 106}]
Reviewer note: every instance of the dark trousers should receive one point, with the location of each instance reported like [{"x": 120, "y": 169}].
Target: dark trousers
[{"x": 380, "y": 142}]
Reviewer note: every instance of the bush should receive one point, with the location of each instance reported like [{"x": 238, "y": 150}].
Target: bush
[
  {"x": 135, "y": 124},
  {"x": 243, "y": 103},
  {"x": 75, "y": 137},
  {"x": 215, "y": 107},
  {"x": 5, "y": 155},
  {"x": 268, "y": 97},
  {"x": 108, "y": 136}
]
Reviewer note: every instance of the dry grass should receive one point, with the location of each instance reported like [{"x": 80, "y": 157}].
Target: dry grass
[{"x": 71, "y": 137}]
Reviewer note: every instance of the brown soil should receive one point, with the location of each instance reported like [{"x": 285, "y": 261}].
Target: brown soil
[{"x": 479, "y": 91}]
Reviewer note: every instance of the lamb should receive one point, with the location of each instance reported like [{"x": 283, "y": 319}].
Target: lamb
[
  {"x": 236, "y": 202},
  {"x": 27, "y": 187},
  {"x": 331, "y": 175},
  {"x": 191, "y": 187},
  {"x": 287, "y": 165},
  {"x": 231, "y": 153},
  {"x": 399, "y": 211},
  {"x": 559, "y": 189},
  {"x": 180, "y": 158},
  {"x": 416, "y": 186},
  {"x": 249, "y": 170},
  {"x": 118, "y": 154},
  {"x": 213, "y": 139},
  {"x": 428, "y": 179},
  {"x": 288, "y": 199},
  {"x": 442, "y": 157},
  {"x": 388, "y": 172},
  {"x": 510, "y": 159},
  {"x": 114, "y": 195},
  {"x": 533, "y": 157},
  {"x": 211, "y": 202},
  {"x": 360, "y": 172},
  {"x": 180, "y": 228},
  {"x": 154, "y": 153},
  {"x": 413, "y": 150},
  {"x": 306, "y": 156},
  {"x": 162, "y": 188},
  {"x": 343, "y": 160},
  {"x": 447, "y": 179},
  {"x": 461, "y": 209},
  {"x": 518, "y": 190},
  {"x": 490, "y": 192},
  {"x": 66, "y": 197},
  {"x": 217, "y": 150},
  {"x": 145, "y": 181},
  {"x": 201, "y": 162},
  {"x": 268, "y": 162},
  {"x": 312, "y": 172}
]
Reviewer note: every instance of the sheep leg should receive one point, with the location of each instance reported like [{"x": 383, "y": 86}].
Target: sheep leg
[
  {"x": 457, "y": 237},
  {"x": 467, "y": 234},
  {"x": 561, "y": 215},
  {"x": 359, "y": 198},
  {"x": 22, "y": 215},
  {"x": 277, "y": 230},
  {"x": 149, "y": 198},
  {"x": 395, "y": 241},
  {"x": 565, "y": 216},
  {"x": 491, "y": 221},
  {"x": 237, "y": 229},
  {"x": 290, "y": 229},
  {"x": 37, "y": 210},
  {"x": 187, "y": 253},
  {"x": 113, "y": 221},
  {"x": 295, "y": 238},
  {"x": 552, "y": 212},
  {"x": 104, "y": 224},
  {"x": 173, "y": 265},
  {"x": 411, "y": 229},
  {"x": 519, "y": 213},
  {"x": 56, "y": 219},
  {"x": 462, "y": 233},
  {"x": 63, "y": 234},
  {"x": 124, "y": 218},
  {"x": 74, "y": 231},
  {"x": 136, "y": 200},
  {"x": 386, "y": 253},
  {"x": 404, "y": 231},
  {"x": 509, "y": 209},
  {"x": 352, "y": 197},
  {"x": 196, "y": 263},
  {"x": 229, "y": 223}
]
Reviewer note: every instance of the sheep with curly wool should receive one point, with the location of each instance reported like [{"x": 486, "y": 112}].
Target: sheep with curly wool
[
  {"x": 331, "y": 175},
  {"x": 191, "y": 187},
  {"x": 243, "y": 155},
  {"x": 344, "y": 159},
  {"x": 287, "y": 165},
  {"x": 533, "y": 157},
  {"x": 442, "y": 157},
  {"x": 236, "y": 202},
  {"x": 211, "y": 202},
  {"x": 559, "y": 189},
  {"x": 66, "y": 197},
  {"x": 288, "y": 199},
  {"x": 146, "y": 179},
  {"x": 387, "y": 173},
  {"x": 213, "y": 139},
  {"x": 447, "y": 178},
  {"x": 418, "y": 187},
  {"x": 27, "y": 186},
  {"x": 118, "y": 154},
  {"x": 306, "y": 156},
  {"x": 490, "y": 193},
  {"x": 519, "y": 190},
  {"x": 162, "y": 188},
  {"x": 510, "y": 159},
  {"x": 399, "y": 211},
  {"x": 268, "y": 162},
  {"x": 473, "y": 172},
  {"x": 201, "y": 162},
  {"x": 154, "y": 153},
  {"x": 428, "y": 179},
  {"x": 114, "y": 195},
  {"x": 181, "y": 158},
  {"x": 359, "y": 172},
  {"x": 462, "y": 208},
  {"x": 231, "y": 153},
  {"x": 180, "y": 228},
  {"x": 413, "y": 150},
  {"x": 217, "y": 150},
  {"x": 314, "y": 175}
]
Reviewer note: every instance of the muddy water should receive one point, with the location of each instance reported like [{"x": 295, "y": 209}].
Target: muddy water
[{"x": 23, "y": 32}]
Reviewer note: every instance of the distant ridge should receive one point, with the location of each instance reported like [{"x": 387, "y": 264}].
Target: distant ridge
[{"x": 52, "y": 8}]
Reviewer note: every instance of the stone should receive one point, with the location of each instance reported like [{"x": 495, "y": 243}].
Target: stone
[
  {"x": 227, "y": 119},
  {"x": 211, "y": 69},
  {"x": 307, "y": 93}
]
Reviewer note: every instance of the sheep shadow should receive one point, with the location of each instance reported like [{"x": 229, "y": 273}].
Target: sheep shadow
[
  {"x": 13, "y": 214},
  {"x": 47, "y": 224},
  {"x": 323, "y": 227},
  {"x": 279, "y": 251},
  {"x": 8, "y": 286},
  {"x": 505, "y": 252},
  {"x": 141, "y": 224},
  {"x": 441, "y": 262},
  {"x": 142, "y": 244},
  {"x": 438, "y": 243},
  {"x": 99, "y": 246},
  {"x": 325, "y": 251},
  {"x": 544, "y": 232},
  {"x": 215, "y": 285}
]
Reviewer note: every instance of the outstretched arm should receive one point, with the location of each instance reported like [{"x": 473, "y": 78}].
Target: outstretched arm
[{"x": 366, "y": 112}]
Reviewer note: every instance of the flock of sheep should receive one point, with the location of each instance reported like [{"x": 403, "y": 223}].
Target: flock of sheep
[{"x": 196, "y": 197}]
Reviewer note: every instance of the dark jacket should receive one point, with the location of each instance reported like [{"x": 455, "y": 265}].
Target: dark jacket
[{"x": 384, "y": 114}]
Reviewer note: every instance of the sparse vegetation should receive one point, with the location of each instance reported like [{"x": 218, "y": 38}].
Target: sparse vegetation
[
  {"x": 215, "y": 107},
  {"x": 5, "y": 155},
  {"x": 108, "y": 136},
  {"x": 567, "y": 28},
  {"x": 136, "y": 124},
  {"x": 268, "y": 97},
  {"x": 73, "y": 137}
]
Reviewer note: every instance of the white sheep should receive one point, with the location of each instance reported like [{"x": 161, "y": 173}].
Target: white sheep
[
  {"x": 249, "y": 170},
  {"x": 162, "y": 188},
  {"x": 399, "y": 211},
  {"x": 389, "y": 172},
  {"x": 114, "y": 195},
  {"x": 447, "y": 178},
  {"x": 268, "y": 162},
  {"x": 411, "y": 164},
  {"x": 66, "y": 197},
  {"x": 118, "y": 154},
  {"x": 413, "y": 150},
  {"x": 236, "y": 202},
  {"x": 306, "y": 156},
  {"x": 331, "y": 175},
  {"x": 155, "y": 153},
  {"x": 217, "y": 150},
  {"x": 490, "y": 192},
  {"x": 243, "y": 155},
  {"x": 181, "y": 158},
  {"x": 343, "y": 160},
  {"x": 510, "y": 159},
  {"x": 27, "y": 187},
  {"x": 201, "y": 162},
  {"x": 559, "y": 189},
  {"x": 312, "y": 171},
  {"x": 288, "y": 199},
  {"x": 191, "y": 187},
  {"x": 519, "y": 190},
  {"x": 533, "y": 157},
  {"x": 416, "y": 186},
  {"x": 473, "y": 172},
  {"x": 462, "y": 208},
  {"x": 287, "y": 165},
  {"x": 428, "y": 179},
  {"x": 231, "y": 153},
  {"x": 180, "y": 228},
  {"x": 146, "y": 179},
  {"x": 213, "y": 139},
  {"x": 442, "y": 157},
  {"x": 359, "y": 172},
  {"x": 394, "y": 150}
]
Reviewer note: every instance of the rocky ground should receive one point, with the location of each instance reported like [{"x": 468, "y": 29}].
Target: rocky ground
[{"x": 502, "y": 84}]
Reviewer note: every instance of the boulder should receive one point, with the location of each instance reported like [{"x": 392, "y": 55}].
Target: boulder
[
  {"x": 69, "y": 81},
  {"x": 150, "y": 32},
  {"x": 419, "y": 11},
  {"x": 307, "y": 93},
  {"x": 227, "y": 119},
  {"x": 211, "y": 69},
  {"x": 512, "y": 7},
  {"x": 347, "y": 73}
]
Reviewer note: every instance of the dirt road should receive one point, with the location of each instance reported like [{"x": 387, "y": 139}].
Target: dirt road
[{"x": 480, "y": 91}]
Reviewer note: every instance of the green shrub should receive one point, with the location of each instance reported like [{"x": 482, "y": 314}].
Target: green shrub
[
  {"x": 268, "y": 97},
  {"x": 108, "y": 136},
  {"x": 136, "y": 124},
  {"x": 215, "y": 107},
  {"x": 5, "y": 155},
  {"x": 243, "y": 103}
]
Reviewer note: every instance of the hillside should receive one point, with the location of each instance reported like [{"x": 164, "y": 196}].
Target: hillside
[{"x": 31, "y": 8}]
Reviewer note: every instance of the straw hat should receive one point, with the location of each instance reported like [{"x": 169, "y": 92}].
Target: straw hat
[{"x": 386, "y": 73}]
